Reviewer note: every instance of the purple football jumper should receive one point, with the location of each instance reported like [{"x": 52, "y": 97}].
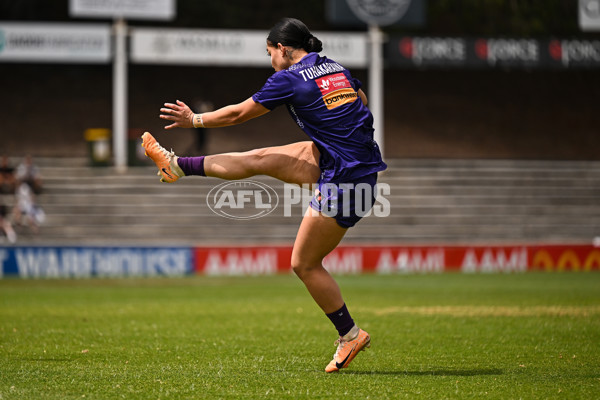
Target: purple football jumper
[{"x": 321, "y": 96}]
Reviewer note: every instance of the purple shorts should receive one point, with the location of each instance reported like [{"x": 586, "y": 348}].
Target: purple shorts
[{"x": 346, "y": 202}]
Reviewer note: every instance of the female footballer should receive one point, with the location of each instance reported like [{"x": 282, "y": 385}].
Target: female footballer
[{"x": 329, "y": 105}]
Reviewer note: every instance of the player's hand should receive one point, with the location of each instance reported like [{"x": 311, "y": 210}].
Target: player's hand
[{"x": 179, "y": 113}]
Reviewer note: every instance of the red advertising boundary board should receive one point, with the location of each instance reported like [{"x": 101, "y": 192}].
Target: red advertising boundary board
[{"x": 265, "y": 260}]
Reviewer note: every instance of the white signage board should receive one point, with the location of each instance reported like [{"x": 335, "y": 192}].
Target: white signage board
[
  {"x": 61, "y": 43},
  {"x": 128, "y": 9},
  {"x": 349, "y": 49},
  {"x": 198, "y": 46},
  {"x": 232, "y": 48}
]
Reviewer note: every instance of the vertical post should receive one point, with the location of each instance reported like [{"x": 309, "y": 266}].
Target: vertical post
[
  {"x": 120, "y": 95},
  {"x": 375, "y": 97}
]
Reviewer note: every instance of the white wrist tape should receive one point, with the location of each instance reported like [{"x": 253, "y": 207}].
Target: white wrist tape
[{"x": 197, "y": 121}]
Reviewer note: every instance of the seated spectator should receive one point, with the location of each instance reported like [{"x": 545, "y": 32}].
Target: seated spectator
[
  {"x": 28, "y": 172},
  {"x": 5, "y": 225},
  {"x": 8, "y": 181},
  {"x": 26, "y": 211}
]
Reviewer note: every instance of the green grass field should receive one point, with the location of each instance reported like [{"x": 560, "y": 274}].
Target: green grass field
[{"x": 531, "y": 336}]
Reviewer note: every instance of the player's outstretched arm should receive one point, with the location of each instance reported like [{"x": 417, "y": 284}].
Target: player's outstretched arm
[{"x": 183, "y": 117}]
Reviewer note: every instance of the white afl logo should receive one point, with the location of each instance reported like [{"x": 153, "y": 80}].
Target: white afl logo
[
  {"x": 242, "y": 199},
  {"x": 381, "y": 12}
]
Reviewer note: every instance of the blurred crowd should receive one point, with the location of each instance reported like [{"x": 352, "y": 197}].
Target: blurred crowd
[{"x": 18, "y": 189}]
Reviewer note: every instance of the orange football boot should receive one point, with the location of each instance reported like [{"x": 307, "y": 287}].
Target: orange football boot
[
  {"x": 166, "y": 161},
  {"x": 347, "y": 350}
]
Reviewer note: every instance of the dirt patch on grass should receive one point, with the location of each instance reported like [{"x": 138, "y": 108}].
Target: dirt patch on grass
[{"x": 491, "y": 311}]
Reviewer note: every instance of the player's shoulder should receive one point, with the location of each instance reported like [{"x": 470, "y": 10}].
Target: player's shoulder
[{"x": 279, "y": 77}]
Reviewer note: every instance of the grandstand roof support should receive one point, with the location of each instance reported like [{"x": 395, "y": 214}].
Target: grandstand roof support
[
  {"x": 120, "y": 95},
  {"x": 375, "y": 91}
]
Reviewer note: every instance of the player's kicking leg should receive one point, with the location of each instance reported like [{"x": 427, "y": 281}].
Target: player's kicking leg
[{"x": 296, "y": 163}]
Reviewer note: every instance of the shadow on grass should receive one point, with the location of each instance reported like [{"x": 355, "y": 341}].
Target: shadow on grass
[{"x": 435, "y": 372}]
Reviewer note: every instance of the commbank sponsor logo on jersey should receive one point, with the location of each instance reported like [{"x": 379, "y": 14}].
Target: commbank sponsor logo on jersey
[{"x": 336, "y": 90}]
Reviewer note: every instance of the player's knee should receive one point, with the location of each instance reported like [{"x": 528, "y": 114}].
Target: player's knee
[
  {"x": 300, "y": 270},
  {"x": 302, "y": 267}
]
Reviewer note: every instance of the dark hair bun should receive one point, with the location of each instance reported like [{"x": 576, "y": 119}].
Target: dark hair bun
[{"x": 312, "y": 44}]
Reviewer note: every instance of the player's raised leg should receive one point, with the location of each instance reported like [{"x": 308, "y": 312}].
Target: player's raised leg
[
  {"x": 318, "y": 236},
  {"x": 294, "y": 163}
]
